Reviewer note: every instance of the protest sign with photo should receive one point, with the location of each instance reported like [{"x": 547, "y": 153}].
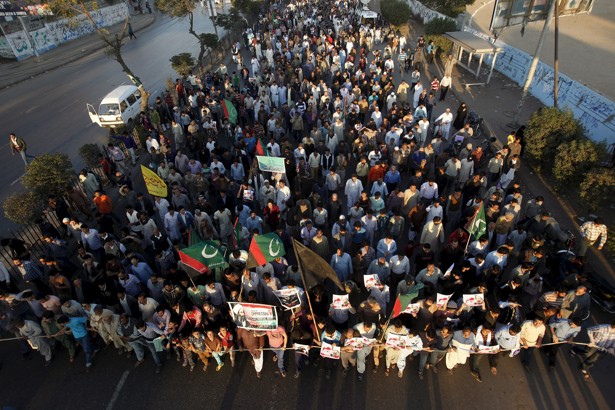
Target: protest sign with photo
[
  {"x": 289, "y": 298},
  {"x": 476, "y": 299},
  {"x": 359, "y": 343},
  {"x": 329, "y": 351},
  {"x": 371, "y": 280},
  {"x": 340, "y": 302},
  {"x": 396, "y": 341},
  {"x": 302, "y": 349},
  {"x": 488, "y": 349},
  {"x": 442, "y": 300},
  {"x": 254, "y": 316},
  {"x": 412, "y": 308}
]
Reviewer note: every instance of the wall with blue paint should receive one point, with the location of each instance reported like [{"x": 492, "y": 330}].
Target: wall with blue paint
[{"x": 596, "y": 112}]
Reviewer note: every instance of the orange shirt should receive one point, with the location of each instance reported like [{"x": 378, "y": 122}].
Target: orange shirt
[{"x": 103, "y": 204}]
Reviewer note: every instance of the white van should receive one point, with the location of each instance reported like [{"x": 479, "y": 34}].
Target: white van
[{"x": 120, "y": 107}]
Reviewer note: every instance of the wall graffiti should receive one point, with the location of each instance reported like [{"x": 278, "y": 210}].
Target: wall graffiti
[
  {"x": 594, "y": 111},
  {"x": 20, "y": 44},
  {"x": 61, "y": 31},
  {"x": 427, "y": 14},
  {"x": 5, "y": 48},
  {"x": 42, "y": 40},
  {"x": 70, "y": 29}
]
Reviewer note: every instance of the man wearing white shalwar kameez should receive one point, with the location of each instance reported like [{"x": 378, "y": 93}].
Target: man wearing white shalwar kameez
[
  {"x": 353, "y": 189},
  {"x": 35, "y": 336}
]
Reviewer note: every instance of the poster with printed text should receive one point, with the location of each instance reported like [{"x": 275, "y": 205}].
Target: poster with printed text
[
  {"x": 473, "y": 300},
  {"x": 370, "y": 281},
  {"x": 289, "y": 298},
  {"x": 329, "y": 351},
  {"x": 341, "y": 302},
  {"x": 254, "y": 316}
]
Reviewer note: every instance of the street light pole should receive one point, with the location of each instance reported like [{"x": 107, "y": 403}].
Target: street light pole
[
  {"x": 532, "y": 70},
  {"x": 555, "y": 56}
]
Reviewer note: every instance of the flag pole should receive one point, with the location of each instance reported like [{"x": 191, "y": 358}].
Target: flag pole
[
  {"x": 465, "y": 252},
  {"x": 305, "y": 284}
]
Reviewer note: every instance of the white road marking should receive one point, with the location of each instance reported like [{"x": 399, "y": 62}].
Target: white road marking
[
  {"x": 66, "y": 107},
  {"x": 477, "y": 10},
  {"x": 31, "y": 109},
  {"x": 118, "y": 388},
  {"x": 18, "y": 179}
]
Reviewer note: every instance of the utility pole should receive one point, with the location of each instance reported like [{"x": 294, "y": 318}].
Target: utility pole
[
  {"x": 555, "y": 56},
  {"x": 532, "y": 70}
]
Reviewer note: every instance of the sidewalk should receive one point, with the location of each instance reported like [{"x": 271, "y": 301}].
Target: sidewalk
[{"x": 19, "y": 71}]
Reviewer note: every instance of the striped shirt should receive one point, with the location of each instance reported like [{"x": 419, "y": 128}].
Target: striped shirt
[{"x": 603, "y": 336}]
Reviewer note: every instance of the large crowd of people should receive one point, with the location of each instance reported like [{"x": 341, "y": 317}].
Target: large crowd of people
[{"x": 381, "y": 178}]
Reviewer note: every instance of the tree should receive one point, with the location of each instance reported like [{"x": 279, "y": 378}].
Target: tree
[
  {"x": 22, "y": 208},
  {"x": 89, "y": 154},
  {"x": 182, "y": 63},
  {"x": 573, "y": 159},
  {"x": 547, "y": 129},
  {"x": 597, "y": 188},
  {"x": 396, "y": 12},
  {"x": 232, "y": 22},
  {"x": 49, "y": 174},
  {"x": 113, "y": 42},
  {"x": 249, "y": 8},
  {"x": 185, "y": 9},
  {"x": 451, "y": 8}
]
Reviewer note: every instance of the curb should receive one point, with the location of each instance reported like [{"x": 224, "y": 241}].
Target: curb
[{"x": 97, "y": 47}]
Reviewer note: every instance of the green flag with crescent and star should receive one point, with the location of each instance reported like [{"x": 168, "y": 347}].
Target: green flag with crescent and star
[
  {"x": 265, "y": 248},
  {"x": 477, "y": 226},
  {"x": 203, "y": 256}
]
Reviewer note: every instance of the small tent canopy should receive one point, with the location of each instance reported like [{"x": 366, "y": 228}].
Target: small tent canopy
[{"x": 473, "y": 45}]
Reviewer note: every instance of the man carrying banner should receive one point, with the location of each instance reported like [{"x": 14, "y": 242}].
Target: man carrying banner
[{"x": 368, "y": 331}]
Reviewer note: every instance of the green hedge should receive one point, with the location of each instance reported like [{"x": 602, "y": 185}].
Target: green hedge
[{"x": 396, "y": 12}]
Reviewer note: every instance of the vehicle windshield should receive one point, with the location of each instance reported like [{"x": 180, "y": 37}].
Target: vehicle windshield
[{"x": 109, "y": 109}]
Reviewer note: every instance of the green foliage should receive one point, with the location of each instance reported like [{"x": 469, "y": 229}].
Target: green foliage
[
  {"x": 574, "y": 158},
  {"x": 449, "y": 7},
  {"x": 89, "y": 154},
  {"x": 597, "y": 188},
  {"x": 232, "y": 21},
  {"x": 440, "y": 26},
  {"x": 249, "y": 8},
  {"x": 176, "y": 8},
  {"x": 22, "y": 207},
  {"x": 443, "y": 44},
  {"x": 182, "y": 63},
  {"x": 547, "y": 129},
  {"x": 49, "y": 174},
  {"x": 210, "y": 40},
  {"x": 396, "y": 12}
]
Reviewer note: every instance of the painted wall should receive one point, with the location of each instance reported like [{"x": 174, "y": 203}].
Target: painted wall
[
  {"x": 61, "y": 31},
  {"x": 596, "y": 112},
  {"x": 426, "y": 14}
]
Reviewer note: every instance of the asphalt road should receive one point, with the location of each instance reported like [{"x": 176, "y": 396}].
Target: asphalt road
[
  {"x": 49, "y": 111},
  {"x": 113, "y": 383}
]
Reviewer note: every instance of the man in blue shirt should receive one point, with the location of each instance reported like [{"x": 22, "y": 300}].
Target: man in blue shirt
[
  {"x": 79, "y": 328},
  {"x": 332, "y": 337},
  {"x": 562, "y": 331}
]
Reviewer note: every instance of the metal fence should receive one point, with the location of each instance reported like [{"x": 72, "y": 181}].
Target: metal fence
[{"x": 32, "y": 236}]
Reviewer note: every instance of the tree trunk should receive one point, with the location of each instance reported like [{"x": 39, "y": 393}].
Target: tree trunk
[{"x": 199, "y": 62}]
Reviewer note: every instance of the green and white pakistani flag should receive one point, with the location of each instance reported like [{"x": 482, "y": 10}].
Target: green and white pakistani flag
[
  {"x": 265, "y": 248},
  {"x": 477, "y": 226},
  {"x": 203, "y": 256}
]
